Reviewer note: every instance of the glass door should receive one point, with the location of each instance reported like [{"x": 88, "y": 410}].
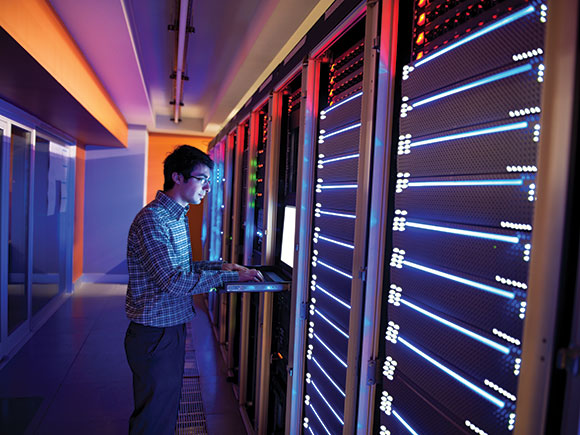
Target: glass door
[
  {"x": 4, "y": 137},
  {"x": 36, "y": 228},
  {"x": 18, "y": 202},
  {"x": 49, "y": 210}
]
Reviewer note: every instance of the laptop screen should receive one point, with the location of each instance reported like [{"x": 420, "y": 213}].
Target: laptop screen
[{"x": 287, "y": 253}]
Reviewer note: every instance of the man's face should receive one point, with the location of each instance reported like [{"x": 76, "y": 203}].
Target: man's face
[{"x": 195, "y": 188}]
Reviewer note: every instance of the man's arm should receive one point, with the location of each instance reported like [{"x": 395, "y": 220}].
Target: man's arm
[{"x": 156, "y": 252}]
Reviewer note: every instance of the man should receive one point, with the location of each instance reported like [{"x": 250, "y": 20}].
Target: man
[{"x": 162, "y": 280}]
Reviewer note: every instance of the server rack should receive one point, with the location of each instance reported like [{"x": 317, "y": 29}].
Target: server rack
[
  {"x": 232, "y": 347},
  {"x": 464, "y": 189},
  {"x": 214, "y": 205},
  {"x": 339, "y": 207},
  {"x": 262, "y": 125},
  {"x": 249, "y": 309},
  {"x": 289, "y": 101}
]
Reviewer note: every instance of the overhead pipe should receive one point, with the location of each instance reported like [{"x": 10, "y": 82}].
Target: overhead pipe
[{"x": 183, "y": 28}]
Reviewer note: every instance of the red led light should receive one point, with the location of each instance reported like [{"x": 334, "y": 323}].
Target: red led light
[
  {"x": 421, "y": 19},
  {"x": 419, "y": 55},
  {"x": 420, "y": 39},
  {"x": 421, "y": 3}
]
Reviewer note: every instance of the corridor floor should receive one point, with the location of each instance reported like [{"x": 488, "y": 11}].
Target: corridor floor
[{"x": 72, "y": 376}]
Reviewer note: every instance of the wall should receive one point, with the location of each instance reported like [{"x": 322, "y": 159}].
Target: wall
[
  {"x": 160, "y": 145},
  {"x": 114, "y": 194}
]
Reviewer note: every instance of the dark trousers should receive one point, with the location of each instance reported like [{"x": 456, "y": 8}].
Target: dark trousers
[{"x": 156, "y": 357}]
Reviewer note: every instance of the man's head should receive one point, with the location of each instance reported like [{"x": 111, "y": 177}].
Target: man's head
[{"x": 186, "y": 171}]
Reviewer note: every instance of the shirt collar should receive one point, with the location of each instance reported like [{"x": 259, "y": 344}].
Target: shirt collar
[{"x": 174, "y": 209}]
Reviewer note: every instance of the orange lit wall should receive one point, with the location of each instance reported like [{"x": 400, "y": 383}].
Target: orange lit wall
[
  {"x": 160, "y": 145},
  {"x": 79, "y": 213},
  {"x": 37, "y": 28}
]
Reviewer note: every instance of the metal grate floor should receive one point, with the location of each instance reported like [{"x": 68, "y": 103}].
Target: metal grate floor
[{"x": 191, "y": 417}]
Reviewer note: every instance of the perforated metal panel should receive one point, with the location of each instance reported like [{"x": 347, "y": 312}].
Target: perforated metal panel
[
  {"x": 333, "y": 241},
  {"x": 464, "y": 196}
]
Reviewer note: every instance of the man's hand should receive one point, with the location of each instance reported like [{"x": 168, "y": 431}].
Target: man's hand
[
  {"x": 250, "y": 275},
  {"x": 234, "y": 267}
]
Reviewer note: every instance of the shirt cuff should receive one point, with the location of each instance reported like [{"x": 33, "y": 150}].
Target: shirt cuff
[{"x": 228, "y": 276}]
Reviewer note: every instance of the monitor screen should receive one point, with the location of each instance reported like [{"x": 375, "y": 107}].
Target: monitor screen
[{"x": 287, "y": 254}]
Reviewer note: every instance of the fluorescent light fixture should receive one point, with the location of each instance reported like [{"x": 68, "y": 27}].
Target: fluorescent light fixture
[
  {"x": 338, "y": 159},
  {"x": 508, "y": 182},
  {"x": 334, "y": 269},
  {"x": 326, "y": 292},
  {"x": 497, "y": 402},
  {"x": 498, "y": 24},
  {"x": 475, "y": 84},
  {"x": 480, "y": 132},
  {"x": 331, "y": 108},
  {"x": 319, "y": 419},
  {"x": 342, "y": 130},
  {"x": 490, "y": 236},
  {"x": 331, "y": 213},
  {"x": 329, "y": 378},
  {"x": 503, "y": 349},
  {"x": 330, "y": 350},
  {"x": 480, "y": 286},
  {"x": 339, "y": 186},
  {"x": 331, "y": 323},
  {"x": 327, "y": 404},
  {"x": 336, "y": 242},
  {"x": 404, "y": 423}
]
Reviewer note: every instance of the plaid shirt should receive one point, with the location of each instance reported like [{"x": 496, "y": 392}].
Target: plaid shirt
[{"x": 162, "y": 276}]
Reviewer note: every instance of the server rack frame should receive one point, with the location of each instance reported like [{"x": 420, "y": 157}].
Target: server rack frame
[
  {"x": 229, "y": 256},
  {"x": 268, "y": 251},
  {"x": 248, "y": 248},
  {"x": 549, "y": 217},
  {"x": 304, "y": 197},
  {"x": 236, "y": 220},
  {"x": 378, "y": 229}
]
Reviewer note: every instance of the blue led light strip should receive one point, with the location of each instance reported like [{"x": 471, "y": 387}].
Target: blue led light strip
[
  {"x": 331, "y": 323},
  {"x": 319, "y": 419},
  {"x": 498, "y": 24},
  {"x": 311, "y": 431},
  {"x": 490, "y": 236},
  {"x": 327, "y": 404},
  {"x": 330, "y": 350},
  {"x": 338, "y": 159},
  {"x": 352, "y": 97},
  {"x": 342, "y": 130},
  {"x": 339, "y": 186},
  {"x": 403, "y": 422},
  {"x": 475, "y": 84},
  {"x": 481, "y": 339},
  {"x": 334, "y": 269},
  {"x": 508, "y": 182},
  {"x": 484, "y": 287},
  {"x": 336, "y": 242},
  {"x": 344, "y": 215},
  {"x": 329, "y": 378},
  {"x": 497, "y": 402},
  {"x": 480, "y": 132},
  {"x": 326, "y": 292}
]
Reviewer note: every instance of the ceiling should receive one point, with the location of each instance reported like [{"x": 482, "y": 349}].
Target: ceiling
[{"x": 235, "y": 46}]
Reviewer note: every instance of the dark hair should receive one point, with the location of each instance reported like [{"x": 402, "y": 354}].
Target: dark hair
[{"x": 183, "y": 160}]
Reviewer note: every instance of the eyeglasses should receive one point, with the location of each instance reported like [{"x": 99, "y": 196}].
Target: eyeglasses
[{"x": 203, "y": 180}]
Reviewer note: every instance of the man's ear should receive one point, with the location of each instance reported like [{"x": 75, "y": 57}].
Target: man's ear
[{"x": 177, "y": 177}]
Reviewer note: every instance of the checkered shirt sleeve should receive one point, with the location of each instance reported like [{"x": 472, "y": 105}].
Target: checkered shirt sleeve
[{"x": 162, "y": 276}]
